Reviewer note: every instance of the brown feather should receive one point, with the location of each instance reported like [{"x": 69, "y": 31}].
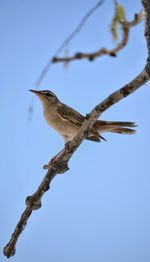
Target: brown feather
[{"x": 115, "y": 127}]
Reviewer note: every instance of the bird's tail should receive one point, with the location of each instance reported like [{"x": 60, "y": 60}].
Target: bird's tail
[{"x": 115, "y": 127}]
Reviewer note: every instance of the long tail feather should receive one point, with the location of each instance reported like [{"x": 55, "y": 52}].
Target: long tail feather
[
  {"x": 115, "y": 127},
  {"x": 123, "y": 130}
]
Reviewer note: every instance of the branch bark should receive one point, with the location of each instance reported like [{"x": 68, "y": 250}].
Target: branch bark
[{"x": 60, "y": 164}]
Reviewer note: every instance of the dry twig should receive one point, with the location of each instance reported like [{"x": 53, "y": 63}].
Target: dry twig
[
  {"x": 126, "y": 26},
  {"x": 67, "y": 40}
]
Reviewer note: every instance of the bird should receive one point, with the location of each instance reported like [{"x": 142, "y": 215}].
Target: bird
[{"x": 67, "y": 121}]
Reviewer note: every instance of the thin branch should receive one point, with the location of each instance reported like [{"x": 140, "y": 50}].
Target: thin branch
[
  {"x": 126, "y": 26},
  {"x": 67, "y": 41},
  {"x": 60, "y": 164}
]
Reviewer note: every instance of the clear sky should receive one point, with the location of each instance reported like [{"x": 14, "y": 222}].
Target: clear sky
[{"x": 99, "y": 210}]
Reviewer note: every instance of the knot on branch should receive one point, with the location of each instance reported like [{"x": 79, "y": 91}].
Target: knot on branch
[
  {"x": 113, "y": 54},
  {"x": 147, "y": 67},
  {"x": 54, "y": 59},
  {"x": 78, "y": 55},
  {"x": 33, "y": 203},
  {"x": 91, "y": 57},
  {"x": 58, "y": 166},
  {"x": 9, "y": 251}
]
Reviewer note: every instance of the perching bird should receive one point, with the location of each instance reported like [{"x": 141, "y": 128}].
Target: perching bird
[{"x": 67, "y": 121}]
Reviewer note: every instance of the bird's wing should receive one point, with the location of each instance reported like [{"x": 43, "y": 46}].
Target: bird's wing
[{"x": 70, "y": 115}]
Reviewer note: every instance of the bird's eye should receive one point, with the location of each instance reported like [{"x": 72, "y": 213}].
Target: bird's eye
[{"x": 48, "y": 94}]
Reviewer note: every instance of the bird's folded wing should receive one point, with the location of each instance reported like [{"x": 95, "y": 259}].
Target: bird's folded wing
[
  {"x": 73, "y": 117},
  {"x": 70, "y": 115}
]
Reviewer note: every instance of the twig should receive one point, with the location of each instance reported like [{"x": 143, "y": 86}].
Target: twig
[
  {"x": 126, "y": 26},
  {"x": 67, "y": 41},
  {"x": 60, "y": 165}
]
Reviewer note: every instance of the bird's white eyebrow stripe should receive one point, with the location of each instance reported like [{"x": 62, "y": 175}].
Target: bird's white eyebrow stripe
[{"x": 47, "y": 91}]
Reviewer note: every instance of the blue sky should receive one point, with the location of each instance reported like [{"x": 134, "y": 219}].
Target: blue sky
[{"x": 98, "y": 210}]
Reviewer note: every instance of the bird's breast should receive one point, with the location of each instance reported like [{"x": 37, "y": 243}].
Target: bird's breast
[{"x": 62, "y": 126}]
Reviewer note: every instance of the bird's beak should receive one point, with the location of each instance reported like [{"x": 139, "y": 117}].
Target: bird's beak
[
  {"x": 34, "y": 91},
  {"x": 38, "y": 93}
]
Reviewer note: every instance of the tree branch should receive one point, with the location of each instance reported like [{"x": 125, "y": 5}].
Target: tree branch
[
  {"x": 68, "y": 39},
  {"x": 126, "y": 26},
  {"x": 60, "y": 164},
  {"x": 146, "y": 5}
]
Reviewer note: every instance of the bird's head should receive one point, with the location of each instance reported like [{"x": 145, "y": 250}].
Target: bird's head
[{"x": 47, "y": 97}]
